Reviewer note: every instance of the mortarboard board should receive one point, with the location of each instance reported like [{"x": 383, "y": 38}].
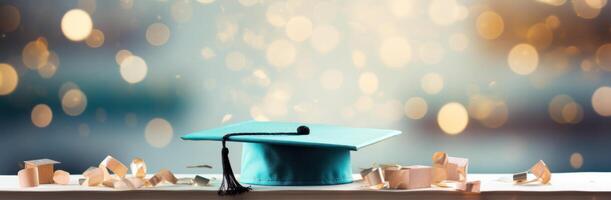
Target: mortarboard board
[{"x": 288, "y": 153}]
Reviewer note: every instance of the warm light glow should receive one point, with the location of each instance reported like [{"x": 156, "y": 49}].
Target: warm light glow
[
  {"x": 48, "y": 70},
  {"x": 10, "y": 18},
  {"x": 596, "y": 4},
  {"x": 553, "y": 2},
  {"x": 122, "y": 55},
  {"x": 540, "y": 36},
  {"x": 332, "y": 79},
  {"x": 576, "y": 160},
  {"x": 490, "y": 25},
  {"x": 74, "y": 102},
  {"x": 523, "y": 59},
  {"x": 395, "y": 52},
  {"x": 235, "y": 61},
  {"x": 552, "y": 22},
  {"x": 8, "y": 79},
  {"x": 277, "y": 13},
  {"x": 432, "y": 83},
  {"x": 603, "y": 56},
  {"x": 368, "y": 82},
  {"x": 42, "y": 115},
  {"x": 325, "y": 38},
  {"x": 95, "y": 39},
  {"x": 299, "y": 28},
  {"x": 400, "y": 8},
  {"x": 158, "y": 133},
  {"x": 584, "y": 10},
  {"x": 415, "y": 108},
  {"x": 557, "y": 106},
  {"x": 443, "y": 12},
  {"x": 453, "y": 118},
  {"x": 281, "y": 53},
  {"x": 76, "y": 25},
  {"x": 35, "y": 54},
  {"x": 133, "y": 69},
  {"x": 572, "y": 113},
  {"x": 601, "y": 101},
  {"x": 359, "y": 59},
  {"x": 157, "y": 34}
]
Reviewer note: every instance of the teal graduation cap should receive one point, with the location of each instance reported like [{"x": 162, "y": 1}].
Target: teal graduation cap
[{"x": 289, "y": 153}]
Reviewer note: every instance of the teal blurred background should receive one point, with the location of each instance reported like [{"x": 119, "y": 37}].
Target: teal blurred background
[{"x": 503, "y": 83}]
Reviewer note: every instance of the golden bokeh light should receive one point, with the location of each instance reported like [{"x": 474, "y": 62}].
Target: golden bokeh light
[
  {"x": 540, "y": 36},
  {"x": 95, "y": 39},
  {"x": 235, "y": 61},
  {"x": 8, "y": 79},
  {"x": 453, "y": 118},
  {"x": 35, "y": 54},
  {"x": 603, "y": 56},
  {"x": 368, "y": 82},
  {"x": 65, "y": 88},
  {"x": 400, "y": 8},
  {"x": 48, "y": 70},
  {"x": 553, "y": 2},
  {"x": 299, "y": 28},
  {"x": 563, "y": 107},
  {"x": 480, "y": 107},
  {"x": 359, "y": 59},
  {"x": 181, "y": 11},
  {"x": 523, "y": 59},
  {"x": 42, "y": 115},
  {"x": 596, "y": 4},
  {"x": 10, "y": 18},
  {"x": 431, "y": 53},
  {"x": 157, "y": 34},
  {"x": 431, "y": 83},
  {"x": 490, "y": 25},
  {"x": 415, "y": 108},
  {"x": 277, "y": 13},
  {"x": 498, "y": 115},
  {"x": 443, "y": 12},
  {"x": 76, "y": 25},
  {"x": 325, "y": 38},
  {"x": 281, "y": 53},
  {"x": 572, "y": 113},
  {"x": 601, "y": 101},
  {"x": 332, "y": 79},
  {"x": 133, "y": 69},
  {"x": 122, "y": 55},
  {"x": 583, "y": 9},
  {"x": 395, "y": 52},
  {"x": 74, "y": 102},
  {"x": 552, "y": 22},
  {"x": 458, "y": 42},
  {"x": 158, "y": 133},
  {"x": 576, "y": 160}
]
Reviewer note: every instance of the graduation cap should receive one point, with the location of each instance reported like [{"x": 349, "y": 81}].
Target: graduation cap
[{"x": 288, "y": 153}]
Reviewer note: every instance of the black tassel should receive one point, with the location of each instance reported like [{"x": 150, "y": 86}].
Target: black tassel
[{"x": 230, "y": 185}]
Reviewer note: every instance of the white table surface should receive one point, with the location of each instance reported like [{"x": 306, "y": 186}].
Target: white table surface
[{"x": 587, "y": 185}]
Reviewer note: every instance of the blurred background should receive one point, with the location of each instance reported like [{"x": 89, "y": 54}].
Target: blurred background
[{"x": 503, "y": 83}]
